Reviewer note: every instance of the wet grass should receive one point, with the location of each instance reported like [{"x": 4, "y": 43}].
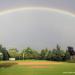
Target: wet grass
[{"x": 12, "y": 68}]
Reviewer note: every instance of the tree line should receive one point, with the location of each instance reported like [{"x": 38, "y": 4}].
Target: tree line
[{"x": 45, "y": 54}]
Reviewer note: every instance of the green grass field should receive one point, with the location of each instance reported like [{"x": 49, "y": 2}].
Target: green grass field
[{"x": 36, "y": 67}]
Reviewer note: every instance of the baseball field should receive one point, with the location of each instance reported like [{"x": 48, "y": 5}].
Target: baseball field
[{"x": 36, "y": 67}]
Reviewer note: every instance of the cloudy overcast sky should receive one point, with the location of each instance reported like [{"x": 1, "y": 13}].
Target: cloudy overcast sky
[
  {"x": 37, "y": 28},
  {"x": 68, "y": 5}
]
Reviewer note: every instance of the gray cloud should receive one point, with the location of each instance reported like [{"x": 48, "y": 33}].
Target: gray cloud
[
  {"x": 68, "y": 5},
  {"x": 37, "y": 29}
]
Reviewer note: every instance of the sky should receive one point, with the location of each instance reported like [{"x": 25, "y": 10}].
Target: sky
[
  {"x": 37, "y": 28},
  {"x": 68, "y": 5}
]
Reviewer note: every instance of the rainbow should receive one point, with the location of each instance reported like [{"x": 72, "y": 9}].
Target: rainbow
[{"x": 36, "y": 8}]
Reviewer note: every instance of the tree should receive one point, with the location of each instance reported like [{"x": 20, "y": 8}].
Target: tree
[
  {"x": 67, "y": 55},
  {"x": 57, "y": 55},
  {"x": 49, "y": 55},
  {"x": 71, "y": 51},
  {"x": 44, "y": 53},
  {"x": 58, "y": 47},
  {"x": 28, "y": 53},
  {"x": 13, "y": 53},
  {"x": 4, "y": 52}
]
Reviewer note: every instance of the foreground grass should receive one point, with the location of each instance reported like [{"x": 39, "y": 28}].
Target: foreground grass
[{"x": 12, "y": 68}]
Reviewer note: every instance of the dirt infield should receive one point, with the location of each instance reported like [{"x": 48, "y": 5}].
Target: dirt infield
[
  {"x": 30, "y": 64},
  {"x": 38, "y": 66},
  {"x": 38, "y": 63},
  {"x": 35, "y": 64}
]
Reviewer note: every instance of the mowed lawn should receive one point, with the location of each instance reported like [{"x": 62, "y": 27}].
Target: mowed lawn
[{"x": 36, "y": 67}]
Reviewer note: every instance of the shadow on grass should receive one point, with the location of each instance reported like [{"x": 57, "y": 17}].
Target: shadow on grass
[
  {"x": 71, "y": 61},
  {"x": 7, "y": 64}
]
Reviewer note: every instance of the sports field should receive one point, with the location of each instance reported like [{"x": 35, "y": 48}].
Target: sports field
[{"x": 36, "y": 67}]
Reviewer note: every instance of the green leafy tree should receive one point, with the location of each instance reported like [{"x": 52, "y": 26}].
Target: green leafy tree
[
  {"x": 44, "y": 53},
  {"x": 49, "y": 55},
  {"x": 35, "y": 54},
  {"x": 57, "y": 55},
  {"x": 67, "y": 55},
  {"x": 58, "y": 47},
  {"x": 13, "y": 53},
  {"x": 27, "y": 53},
  {"x": 4, "y": 52}
]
